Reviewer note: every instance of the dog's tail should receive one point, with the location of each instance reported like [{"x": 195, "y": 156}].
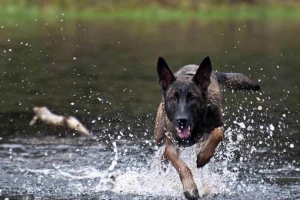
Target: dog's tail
[{"x": 236, "y": 81}]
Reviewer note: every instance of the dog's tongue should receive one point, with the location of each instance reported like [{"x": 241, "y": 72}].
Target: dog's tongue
[{"x": 183, "y": 133}]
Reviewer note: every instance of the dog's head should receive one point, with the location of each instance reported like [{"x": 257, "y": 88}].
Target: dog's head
[{"x": 185, "y": 97}]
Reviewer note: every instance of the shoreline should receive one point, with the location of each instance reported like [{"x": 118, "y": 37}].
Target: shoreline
[{"x": 152, "y": 13}]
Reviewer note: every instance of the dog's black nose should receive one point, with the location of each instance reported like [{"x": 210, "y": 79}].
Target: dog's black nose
[{"x": 181, "y": 121}]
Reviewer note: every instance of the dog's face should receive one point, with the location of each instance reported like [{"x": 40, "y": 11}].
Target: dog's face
[{"x": 185, "y": 97}]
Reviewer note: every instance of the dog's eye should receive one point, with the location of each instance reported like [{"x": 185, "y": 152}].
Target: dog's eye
[
  {"x": 173, "y": 98},
  {"x": 192, "y": 98}
]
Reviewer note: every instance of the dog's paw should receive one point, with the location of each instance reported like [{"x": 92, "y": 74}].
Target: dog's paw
[
  {"x": 191, "y": 195},
  {"x": 203, "y": 159}
]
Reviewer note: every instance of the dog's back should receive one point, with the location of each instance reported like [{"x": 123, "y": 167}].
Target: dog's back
[{"x": 235, "y": 81}]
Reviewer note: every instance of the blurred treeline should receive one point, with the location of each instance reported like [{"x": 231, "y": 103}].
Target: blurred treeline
[{"x": 134, "y": 4}]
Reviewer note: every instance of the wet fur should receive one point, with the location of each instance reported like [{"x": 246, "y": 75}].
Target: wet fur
[{"x": 192, "y": 98}]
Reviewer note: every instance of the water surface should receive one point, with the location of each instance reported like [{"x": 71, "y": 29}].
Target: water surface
[{"x": 104, "y": 73}]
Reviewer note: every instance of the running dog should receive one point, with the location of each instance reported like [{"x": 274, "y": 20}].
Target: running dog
[{"x": 191, "y": 112}]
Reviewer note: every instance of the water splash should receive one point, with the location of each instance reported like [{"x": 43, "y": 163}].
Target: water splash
[
  {"x": 146, "y": 179},
  {"x": 214, "y": 178},
  {"x": 126, "y": 168}
]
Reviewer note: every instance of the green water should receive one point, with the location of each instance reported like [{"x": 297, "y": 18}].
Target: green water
[
  {"x": 104, "y": 73},
  {"x": 56, "y": 64}
]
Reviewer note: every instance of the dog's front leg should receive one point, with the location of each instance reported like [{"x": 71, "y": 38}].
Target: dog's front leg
[
  {"x": 210, "y": 145},
  {"x": 189, "y": 187}
]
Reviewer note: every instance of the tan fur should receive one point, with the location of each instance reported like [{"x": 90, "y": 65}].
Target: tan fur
[
  {"x": 209, "y": 147},
  {"x": 184, "y": 172}
]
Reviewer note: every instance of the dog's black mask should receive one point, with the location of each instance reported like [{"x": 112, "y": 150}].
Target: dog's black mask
[{"x": 185, "y": 97}]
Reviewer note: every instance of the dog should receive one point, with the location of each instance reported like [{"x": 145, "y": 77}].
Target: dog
[{"x": 191, "y": 111}]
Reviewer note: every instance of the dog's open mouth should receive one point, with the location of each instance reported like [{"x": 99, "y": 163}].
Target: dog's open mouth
[{"x": 183, "y": 132}]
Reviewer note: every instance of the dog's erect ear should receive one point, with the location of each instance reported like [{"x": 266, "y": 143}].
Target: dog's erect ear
[
  {"x": 165, "y": 76},
  {"x": 202, "y": 76}
]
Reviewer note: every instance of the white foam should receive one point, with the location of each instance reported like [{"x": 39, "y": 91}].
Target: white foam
[
  {"x": 214, "y": 178},
  {"x": 154, "y": 181}
]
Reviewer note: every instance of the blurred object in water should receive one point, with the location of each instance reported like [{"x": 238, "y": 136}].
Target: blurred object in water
[{"x": 46, "y": 116}]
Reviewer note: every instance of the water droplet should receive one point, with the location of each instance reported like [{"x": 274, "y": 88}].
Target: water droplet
[
  {"x": 259, "y": 108},
  {"x": 74, "y": 58},
  {"x": 284, "y": 150},
  {"x": 291, "y": 145},
  {"x": 72, "y": 103},
  {"x": 241, "y": 124},
  {"x": 272, "y": 128},
  {"x": 261, "y": 127},
  {"x": 240, "y": 137}
]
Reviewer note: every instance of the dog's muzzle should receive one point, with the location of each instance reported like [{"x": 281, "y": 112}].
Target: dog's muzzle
[{"x": 183, "y": 129}]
